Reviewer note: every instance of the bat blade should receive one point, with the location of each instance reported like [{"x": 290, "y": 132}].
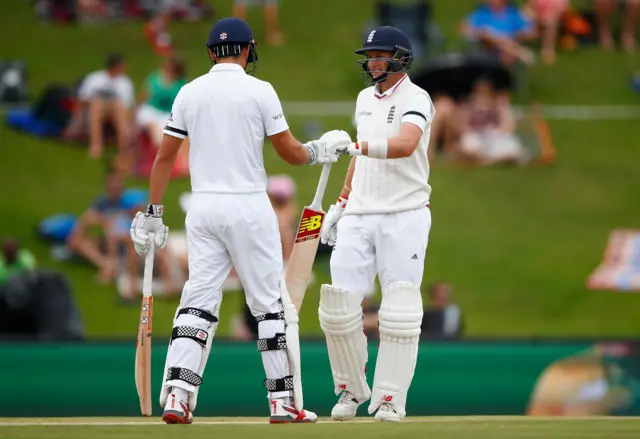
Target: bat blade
[
  {"x": 303, "y": 254},
  {"x": 143, "y": 356}
]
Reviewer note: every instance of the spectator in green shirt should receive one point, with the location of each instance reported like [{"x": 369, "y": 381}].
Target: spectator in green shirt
[
  {"x": 14, "y": 260},
  {"x": 156, "y": 99}
]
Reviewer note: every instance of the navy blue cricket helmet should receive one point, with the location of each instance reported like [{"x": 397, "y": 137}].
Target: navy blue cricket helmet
[
  {"x": 387, "y": 39},
  {"x": 229, "y": 36}
]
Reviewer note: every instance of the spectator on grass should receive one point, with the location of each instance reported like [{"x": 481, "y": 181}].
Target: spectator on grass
[
  {"x": 104, "y": 96},
  {"x": 274, "y": 36},
  {"x": 547, "y": 14},
  {"x": 156, "y": 99},
  {"x": 111, "y": 214},
  {"x": 604, "y": 12},
  {"x": 106, "y": 213},
  {"x": 501, "y": 28},
  {"x": 487, "y": 128},
  {"x": 442, "y": 318}
]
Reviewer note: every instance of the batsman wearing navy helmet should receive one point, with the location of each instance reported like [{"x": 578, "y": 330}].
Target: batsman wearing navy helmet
[
  {"x": 380, "y": 226},
  {"x": 230, "y": 222}
]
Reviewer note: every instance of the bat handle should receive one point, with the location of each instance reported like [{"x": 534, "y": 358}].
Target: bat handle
[
  {"x": 322, "y": 186},
  {"x": 148, "y": 268}
]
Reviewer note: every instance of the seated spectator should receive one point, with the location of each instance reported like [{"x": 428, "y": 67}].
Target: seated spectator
[
  {"x": 501, "y": 28},
  {"x": 34, "y": 303},
  {"x": 110, "y": 213},
  {"x": 604, "y": 12},
  {"x": 548, "y": 14},
  {"x": 156, "y": 99},
  {"x": 487, "y": 128},
  {"x": 14, "y": 260},
  {"x": 442, "y": 318},
  {"x": 445, "y": 129},
  {"x": 104, "y": 96},
  {"x": 282, "y": 190},
  {"x": 274, "y": 36}
]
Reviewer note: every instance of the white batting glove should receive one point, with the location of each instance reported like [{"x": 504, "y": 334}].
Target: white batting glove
[
  {"x": 145, "y": 223},
  {"x": 320, "y": 153},
  {"x": 336, "y": 140},
  {"x": 352, "y": 149},
  {"x": 329, "y": 230}
]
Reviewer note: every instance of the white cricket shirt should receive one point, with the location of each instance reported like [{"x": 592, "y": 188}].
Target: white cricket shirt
[
  {"x": 226, "y": 114},
  {"x": 391, "y": 185}
]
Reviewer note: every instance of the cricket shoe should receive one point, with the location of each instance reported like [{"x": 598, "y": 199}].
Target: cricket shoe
[
  {"x": 387, "y": 413},
  {"x": 282, "y": 413},
  {"x": 346, "y": 407},
  {"x": 176, "y": 411}
]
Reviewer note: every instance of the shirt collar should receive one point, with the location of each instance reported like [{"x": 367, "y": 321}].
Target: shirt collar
[
  {"x": 227, "y": 67},
  {"x": 405, "y": 78}
]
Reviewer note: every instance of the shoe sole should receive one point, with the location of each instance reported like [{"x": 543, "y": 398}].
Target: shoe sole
[
  {"x": 288, "y": 420},
  {"x": 173, "y": 417}
]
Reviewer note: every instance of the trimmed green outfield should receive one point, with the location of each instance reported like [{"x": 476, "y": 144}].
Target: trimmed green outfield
[
  {"x": 517, "y": 244},
  {"x": 433, "y": 428}
]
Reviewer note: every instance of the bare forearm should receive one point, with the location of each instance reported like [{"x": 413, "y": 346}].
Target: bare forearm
[
  {"x": 397, "y": 147},
  {"x": 160, "y": 174},
  {"x": 346, "y": 189}
]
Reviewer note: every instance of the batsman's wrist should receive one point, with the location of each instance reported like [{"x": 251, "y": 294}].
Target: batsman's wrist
[
  {"x": 155, "y": 210},
  {"x": 342, "y": 201},
  {"x": 312, "y": 153},
  {"x": 355, "y": 149}
]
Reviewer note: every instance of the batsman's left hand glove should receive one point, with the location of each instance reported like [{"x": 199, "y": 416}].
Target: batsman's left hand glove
[{"x": 145, "y": 223}]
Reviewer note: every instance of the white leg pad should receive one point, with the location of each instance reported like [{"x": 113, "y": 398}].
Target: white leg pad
[
  {"x": 292, "y": 333},
  {"x": 340, "y": 316},
  {"x": 400, "y": 318},
  {"x": 189, "y": 348}
]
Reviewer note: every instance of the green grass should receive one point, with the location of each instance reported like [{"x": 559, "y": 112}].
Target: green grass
[
  {"x": 517, "y": 244},
  {"x": 433, "y": 428}
]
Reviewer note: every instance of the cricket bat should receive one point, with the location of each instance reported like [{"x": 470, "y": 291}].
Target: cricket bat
[
  {"x": 143, "y": 345},
  {"x": 303, "y": 254}
]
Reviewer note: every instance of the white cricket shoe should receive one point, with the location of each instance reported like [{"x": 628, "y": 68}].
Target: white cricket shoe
[
  {"x": 387, "y": 413},
  {"x": 282, "y": 413},
  {"x": 176, "y": 411},
  {"x": 346, "y": 407}
]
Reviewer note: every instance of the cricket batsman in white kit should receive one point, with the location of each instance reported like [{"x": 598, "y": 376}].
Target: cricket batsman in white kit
[
  {"x": 380, "y": 225},
  {"x": 226, "y": 114}
]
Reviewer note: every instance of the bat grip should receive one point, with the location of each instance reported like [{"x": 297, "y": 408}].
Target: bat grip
[
  {"x": 322, "y": 186},
  {"x": 148, "y": 267}
]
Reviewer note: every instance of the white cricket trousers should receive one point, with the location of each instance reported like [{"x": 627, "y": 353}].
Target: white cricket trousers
[
  {"x": 233, "y": 230},
  {"x": 225, "y": 231},
  {"x": 391, "y": 245}
]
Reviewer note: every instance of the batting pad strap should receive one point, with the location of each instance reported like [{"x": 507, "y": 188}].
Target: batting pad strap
[
  {"x": 270, "y": 316},
  {"x": 198, "y": 313},
  {"x": 195, "y": 334},
  {"x": 273, "y": 344},
  {"x": 280, "y": 384},
  {"x": 186, "y": 375}
]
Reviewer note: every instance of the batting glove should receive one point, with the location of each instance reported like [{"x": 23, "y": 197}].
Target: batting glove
[
  {"x": 329, "y": 230},
  {"x": 320, "y": 153},
  {"x": 145, "y": 223}
]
